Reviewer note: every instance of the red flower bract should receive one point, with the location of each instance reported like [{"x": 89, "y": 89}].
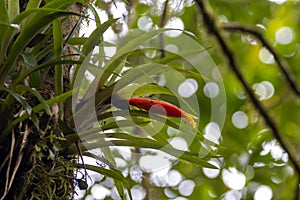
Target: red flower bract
[{"x": 167, "y": 109}]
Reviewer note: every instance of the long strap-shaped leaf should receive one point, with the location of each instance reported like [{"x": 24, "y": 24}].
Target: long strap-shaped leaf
[
  {"x": 26, "y": 36},
  {"x": 3, "y": 10},
  {"x": 114, "y": 174},
  {"x": 42, "y": 66},
  {"x": 95, "y": 38},
  {"x": 139, "y": 142},
  {"x": 35, "y": 109},
  {"x": 126, "y": 49},
  {"x": 13, "y": 8},
  {"x": 25, "y": 105}
]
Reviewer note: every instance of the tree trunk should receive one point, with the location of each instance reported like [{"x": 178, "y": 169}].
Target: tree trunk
[{"x": 30, "y": 164}]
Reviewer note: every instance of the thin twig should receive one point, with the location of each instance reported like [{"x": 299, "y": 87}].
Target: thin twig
[
  {"x": 164, "y": 18},
  {"x": 283, "y": 66},
  {"x": 210, "y": 24},
  {"x": 20, "y": 154},
  {"x": 163, "y": 22},
  {"x": 4, "y": 162},
  {"x": 18, "y": 160}
]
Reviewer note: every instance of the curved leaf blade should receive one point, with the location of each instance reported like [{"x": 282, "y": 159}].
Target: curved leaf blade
[{"x": 25, "y": 105}]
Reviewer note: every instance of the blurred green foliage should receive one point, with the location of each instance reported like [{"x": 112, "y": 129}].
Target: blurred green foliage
[
  {"x": 249, "y": 148},
  {"x": 246, "y": 162}
]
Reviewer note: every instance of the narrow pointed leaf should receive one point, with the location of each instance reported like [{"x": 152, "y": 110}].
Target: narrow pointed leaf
[
  {"x": 26, "y": 35},
  {"x": 35, "y": 109},
  {"x": 25, "y": 105},
  {"x": 4, "y": 14},
  {"x": 96, "y": 37},
  {"x": 13, "y": 8}
]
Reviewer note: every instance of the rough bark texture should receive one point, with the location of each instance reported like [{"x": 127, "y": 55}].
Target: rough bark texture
[{"x": 40, "y": 172}]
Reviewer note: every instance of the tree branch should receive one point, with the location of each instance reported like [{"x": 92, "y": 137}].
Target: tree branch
[
  {"x": 210, "y": 24},
  {"x": 283, "y": 66},
  {"x": 163, "y": 22}
]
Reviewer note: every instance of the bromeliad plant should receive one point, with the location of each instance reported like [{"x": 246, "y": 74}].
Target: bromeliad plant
[
  {"x": 40, "y": 137},
  {"x": 32, "y": 59},
  {"x": 163, "y": 108}
]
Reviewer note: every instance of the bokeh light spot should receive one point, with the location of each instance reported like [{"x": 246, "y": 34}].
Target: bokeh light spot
[
  {"x": 145, "y": 23},
  {"x": 138, "y": 192},
  {"x": 263, "y": 192},
  {"x": 172, "y": 48},
  {"x": 180, "y": 198},
  {"x": 179, "y": 143},
  {"x": 100, "y": 192},
  {"x": 209, "y": 172},
  {"x": 136, "y": 173},
  {"x": 120, "y": 162},
  {"x": 119, "y": 10},
  {"x": 169, "y": 193},
  {"x": 187, "y": 88},
  {"x": 212, "y": 132},
  {"x": 264, "y": 90},
  {"x": 265, "y": 56},
  {"x": 186, "y": 187},
  {"x": 284, "y": 35},
  {"x": 174, "y": 178},
  {"x": 211, "y": 90},
  {"x": 233, "y": 178},
  {"x": 174, "y": 23},
  {"x": 151, "y": 163},
  {"x": 173, "y": 132},
  {"x": 278, "y": 1},
  {"x": 110, "y": 51},
  {"x": 232, "y": 195},
  {"x": 275, "y": 150},
  {"x": 240, "y": 119}
]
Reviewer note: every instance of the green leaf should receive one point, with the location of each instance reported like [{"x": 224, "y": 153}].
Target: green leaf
[
  {"x": 114, "y": 174},
  {"x": 62, "y": 4},
  {"x": 144, "y": 90},
  {"x": 118, "y": 68},
  {"x": 30, "y": 29},
  {"x": 35, "y": 109},
  {"x": 58, "y": 76},
  {"x": 29, "y": 59},
  {"x": 4, "y": 26},
  {"x": 96, "y": 37},
  {"x": 39, "y": 13},
  {"x": 35, "y": 77},
  {"x": 109, "y": 156},
  {"x": 83, "y": 40},
  {"x": 96, "y": 16},
  {"x": 4, "y": 14},
  {"x": 25, "y": 105},
  {"x": 6, "y": 35},
  {"x": 33, "y": 4},
  {"x": 13, "y": 8},
  {"x": 36, "y": 93},
  {"x": 120, "y": 189},
  {"x": 57, "y": 38},
  {"x": 124, "y": 51},
  {"x": 100, "y": 158},
  {"x": 77, "y": 40},
  {"x": 42, "y": 66},
  {"x": 139, "y": 142},
  {"x": 136, "y": 117}
]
